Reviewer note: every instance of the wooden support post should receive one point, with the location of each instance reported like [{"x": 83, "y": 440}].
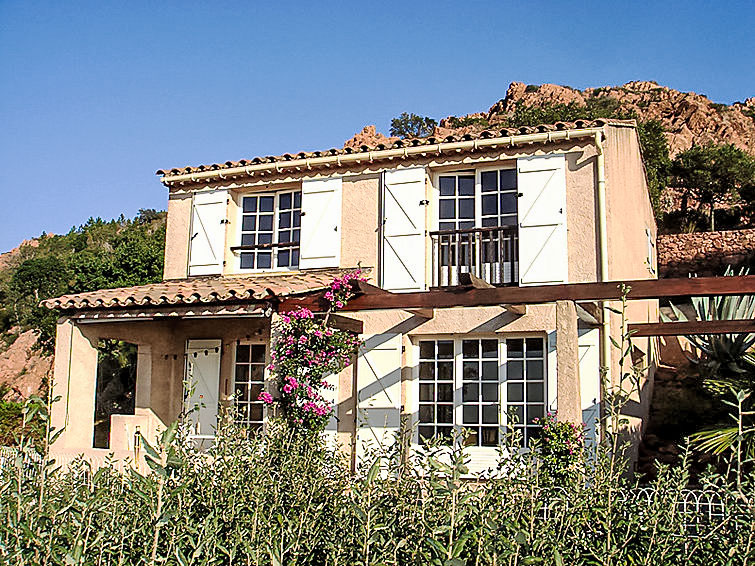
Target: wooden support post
[{"x": 567, "y": 363}]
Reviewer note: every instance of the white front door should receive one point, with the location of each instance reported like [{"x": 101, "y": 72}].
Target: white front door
[{"x": 201, "y": 387}]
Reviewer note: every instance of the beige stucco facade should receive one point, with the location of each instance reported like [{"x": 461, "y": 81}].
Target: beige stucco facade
[{"x": 570, "y": 382}]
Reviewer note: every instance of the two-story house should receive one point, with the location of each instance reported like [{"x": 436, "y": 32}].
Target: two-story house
[{"x": 566, "y": 203}]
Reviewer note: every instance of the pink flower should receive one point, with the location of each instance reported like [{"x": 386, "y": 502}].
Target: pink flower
[{"x": 265, "y": 397}]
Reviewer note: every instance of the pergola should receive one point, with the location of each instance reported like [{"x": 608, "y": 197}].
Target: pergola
[{"x": 475, "y": 293}]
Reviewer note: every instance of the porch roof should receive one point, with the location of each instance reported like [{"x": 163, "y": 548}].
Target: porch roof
[{"x": 201, "y": 290}]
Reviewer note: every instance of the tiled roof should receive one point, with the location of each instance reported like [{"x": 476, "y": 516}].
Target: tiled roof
[
  {"x": 413, "y": 142},
  {"x": 217, "y": 290}
]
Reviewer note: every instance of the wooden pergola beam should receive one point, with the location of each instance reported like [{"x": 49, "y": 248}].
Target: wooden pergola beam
[
  {"x": 694, "y": 327},
  {"x": 378, "y": 299}
]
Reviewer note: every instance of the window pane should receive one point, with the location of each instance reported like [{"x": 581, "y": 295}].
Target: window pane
[
  {"x": 445, "y": 392},
  {"x": 515, "y": 392},
  {"x": 490, "y": 371},
  {"x": 247, "y": 261},
  {"x": 515, "y": 348},
  {"x": 471, "y": 348},
  {"x": 470, "y": 414},
  {"x": 448, "y": 209},
  {"x": 471, "y": 371},
  {"x": 445, "y": 349},
  {"x": 466, "y": 185},
  {"x": 266, "y": 222},
  {"x": 426, "y": 432},
  {"x": 285, "y": 201},
  {"x": 535, "y": 369},
  {"x": 264, "y": 238},
  {"x": 258, "y": 354},
  {"x": 426, "y": 370},
  {"x": 445, "y": 371},
  {"x": 490, "y": 348},
  {"x": 297, "y": 199},
  {"x": 426, "y": 413},
  {"x": 250, "y": 204},
  {"x": 470, "y": 393},
  {"x": 535, "y": 412},
  {"x": 284, "y": 220},
  {"x": 242, "y": 353},
  {"x": 490, "y": 414},
  {"x": 489, "y": 181},
  {"x": 508, "y": 179},
  {"x": 266, "y": 204},
  {"x": 256, "y": 372},
  {"x": 514, "y": 370},
  {"x": 445, "y": 414},
  {"x": 249, "y": 223},
  {"x": 426, "y": 392},
  {"x": 535, "y": 392},
  {"x": 447, "y": 186},
  {"x": 489, "y": 436},
  {"x": 490, "y": 392},
  {"x": 466, "y": 208},
  {"x": 534, "y": 347},
  {"x": 297, "y": 218},
  {"x": 427, "y": 349},
  {"x": 489, "y": 205},
  {"x": 508, "y": 203},
  {"x": 264, "y": 260},
  {"x": 255, "y": 412},
  {"x": 516, "y": 414},
  {"x": 248, "y": 240},
  {"x": 283, "y": 258}
]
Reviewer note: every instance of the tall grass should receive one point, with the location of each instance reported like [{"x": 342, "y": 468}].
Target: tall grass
[{"x": 283, "y": 498}]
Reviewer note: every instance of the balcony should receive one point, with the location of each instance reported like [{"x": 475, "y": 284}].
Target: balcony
[{"x": 492, "y": 254}]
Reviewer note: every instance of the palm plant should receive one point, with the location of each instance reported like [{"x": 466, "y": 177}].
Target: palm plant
[{"x": 727, "y": 365}]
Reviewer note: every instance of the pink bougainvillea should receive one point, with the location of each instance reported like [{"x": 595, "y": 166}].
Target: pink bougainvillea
[{"x": 305, "y": 352}]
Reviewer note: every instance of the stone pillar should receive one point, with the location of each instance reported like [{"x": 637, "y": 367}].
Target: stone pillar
[
  {"x": 75, "y": 381},
  {"x": 567, "y": 363}
]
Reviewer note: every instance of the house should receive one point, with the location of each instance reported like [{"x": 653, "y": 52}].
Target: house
[{"x": 527, "y": 207}]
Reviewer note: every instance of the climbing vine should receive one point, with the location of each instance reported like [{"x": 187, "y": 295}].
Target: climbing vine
[{"x": 306, "y": 350}]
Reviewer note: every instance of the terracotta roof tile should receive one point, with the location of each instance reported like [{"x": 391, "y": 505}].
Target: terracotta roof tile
[
  {"x": 411, "y": 142},
  {"x": 217, "y": 289}
]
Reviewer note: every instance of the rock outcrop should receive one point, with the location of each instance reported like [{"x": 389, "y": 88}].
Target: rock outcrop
[
  {"x": 23, "y": 369},
  {"x": 687, "y": 117}
]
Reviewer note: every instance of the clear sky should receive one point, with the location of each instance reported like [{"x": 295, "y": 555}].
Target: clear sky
[{"x": 96, "y": 96}]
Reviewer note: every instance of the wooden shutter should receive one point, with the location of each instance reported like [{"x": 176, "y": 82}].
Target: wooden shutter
[
  {"x": 378, "y": 392},
  {"x": 402, "y": 266},
  {"x": 320, "y": 223},
  {"x": 207, "y": 239},
  {"x": 203, "y": 376},
  {"x": 542, "y": 220}
]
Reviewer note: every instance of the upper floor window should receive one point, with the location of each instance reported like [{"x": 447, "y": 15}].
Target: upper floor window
[
  {"x": 477, "y": 227},
  {"x": 271, "y": 231}
]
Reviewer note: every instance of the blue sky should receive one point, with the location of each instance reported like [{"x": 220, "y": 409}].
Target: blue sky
[{"x": 96, "y": 96}]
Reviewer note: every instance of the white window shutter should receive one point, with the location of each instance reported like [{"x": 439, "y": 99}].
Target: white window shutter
[
  {"x": 589, "y": 380},
  {"x": 403, "y": 244},
  {"x": 378, "y": 393},
  {"x": 543, "y": 255},
  {"x": 203, "y": 377},
  {"x": 331, "y": 396},
  {"x": 320, "y": 223},
  {"x": 207, "y": 238}
]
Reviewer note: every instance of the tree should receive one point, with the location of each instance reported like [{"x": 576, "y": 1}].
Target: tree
[
  {"x": 412, "y": 126},
  {"x": 712, "y": 174}
]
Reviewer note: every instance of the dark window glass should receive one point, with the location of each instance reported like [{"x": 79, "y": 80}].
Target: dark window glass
[{"x": 447, "y": 186}]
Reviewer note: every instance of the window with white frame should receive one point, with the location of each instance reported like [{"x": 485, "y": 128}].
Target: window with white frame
[
  {"x": 477, "y": 384},
  {"x": 270, "y": 231},
  {"x": 249, "y": 382},
  {"x": 477, "y": 226}
]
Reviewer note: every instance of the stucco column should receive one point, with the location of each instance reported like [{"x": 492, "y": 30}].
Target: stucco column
[
  {"x": 567, "y": 363},
  {"x": 75, "y": 381}
]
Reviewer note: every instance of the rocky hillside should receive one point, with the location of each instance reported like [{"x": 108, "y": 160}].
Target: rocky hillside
[{"x": 686, "y": 116}]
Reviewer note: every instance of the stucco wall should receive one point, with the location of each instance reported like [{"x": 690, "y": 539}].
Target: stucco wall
[
  {"x": 359, "y": 222},
  {"x": 177, "y": 236}
]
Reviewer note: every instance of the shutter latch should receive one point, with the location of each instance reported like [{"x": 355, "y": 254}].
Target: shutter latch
[{"x": 424, "y": 202}]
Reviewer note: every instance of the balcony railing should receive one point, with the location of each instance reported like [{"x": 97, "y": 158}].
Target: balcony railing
[{"x": 492, "y": 254}]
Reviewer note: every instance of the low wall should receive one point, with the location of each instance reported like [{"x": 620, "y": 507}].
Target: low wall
[{"x": 705, "y": 253}]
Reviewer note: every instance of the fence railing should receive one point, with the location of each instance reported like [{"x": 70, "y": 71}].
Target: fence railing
[{"x": 492, "y": 254}]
